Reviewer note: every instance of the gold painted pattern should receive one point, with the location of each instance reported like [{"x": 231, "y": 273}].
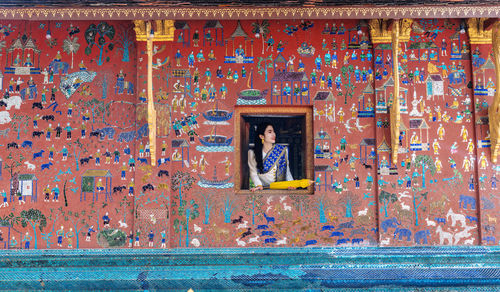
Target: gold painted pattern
[{"x": 458, "y": 11}]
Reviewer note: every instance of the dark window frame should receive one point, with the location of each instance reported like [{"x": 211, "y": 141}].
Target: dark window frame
[{"x": 241, "y": 134}]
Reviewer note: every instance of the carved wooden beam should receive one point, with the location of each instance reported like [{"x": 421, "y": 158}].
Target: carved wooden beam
[
  {"x": 494, "y": 109},
  {"x": 395, "y": 109}
]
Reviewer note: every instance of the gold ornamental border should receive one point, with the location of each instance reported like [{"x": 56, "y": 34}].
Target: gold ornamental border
[{"x": 177, "y": 13}]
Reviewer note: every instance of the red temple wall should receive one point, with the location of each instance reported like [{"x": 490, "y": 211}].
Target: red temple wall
[{"x": 441, "y": 192}]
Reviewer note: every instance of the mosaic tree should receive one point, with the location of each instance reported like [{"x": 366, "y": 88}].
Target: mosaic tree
[
  {"x": 182, "y": 180},
  {"x": 19, "y": 124},
  {"x": 126, "y": 41},
  {"x": 228, "y": 209},
  {"x": 261, "y": 29},
  {"x": 253, "y": 206},
  {"x": 186, "y": 212},
  {"x": 263, "y": 68},
  {"x": 427, "y": 164},
  {"x": 71, "y": 46},
  {"x": 417, "y": 201},
  {"x": 97, "y": 107},
  {"x": 35, "y": 218},
  {"x": 301, "y": 202},
  {"x": 349, "y": 200},
  {"x": 349, "y": 87},
  {"x": 321, "y": 206},
  {"x": 76, "y": 218},
  {"x": 14, "y": 164},
  {"x": 125, "y": 205},
  {"x": 208, "y": 204},
  {"x": 95, "y": 210},
  {"x": 53, "y": 217},
  {"x": 385, "y": 198},
  {"x": 77, "y": 151},
  {"x": 9, "y": 220},
  {"x": 104, "y": 33}
]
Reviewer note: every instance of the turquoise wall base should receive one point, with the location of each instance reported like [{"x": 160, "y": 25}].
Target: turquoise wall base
[{"x": 380, "y": 269}]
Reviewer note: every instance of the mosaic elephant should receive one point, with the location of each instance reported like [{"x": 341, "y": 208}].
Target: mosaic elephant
[
  {"x": 422, "y": 236},
  {"x": 122, "y": 85},
  {"x": 478, "y": 61},
  {"x": 59, "y": 67},
  {"x": 390, "y": 223},
  {"x": 108, "y": 131},
  {"x": 31, "y": 91},
  {"x": 457, "y": 77},
  {"x": 126, "y": 136},
  {"x": 402, "y": 232},
  {"x": 143, "y": 131},
  {"x": 466, "y": 201}
]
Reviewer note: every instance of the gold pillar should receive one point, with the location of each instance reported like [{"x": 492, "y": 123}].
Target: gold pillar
[
  {"x": 380, "y": 32},
  {"x": 494, "y": 109},
  {"x": 395, "y": 109},
  {"x": 164, "y": 31},
  {"x": 151, "y": 106}
]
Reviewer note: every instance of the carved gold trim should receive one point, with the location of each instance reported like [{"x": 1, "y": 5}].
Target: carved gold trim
[
  {"x": 270, "y": 110},
  {"x": 380, "y": 31},
  {"x": 494, "y": 109},
  {"x": 405, "y": 29},
  {"x": 346, "y": 12},
  {"x": 479, "y": 32},
  {"x": 163, "y": 30},
  {"x": 395, "y": 114}
]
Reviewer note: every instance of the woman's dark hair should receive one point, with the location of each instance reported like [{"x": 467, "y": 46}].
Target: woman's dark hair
[{"x": 261, "y": 128}]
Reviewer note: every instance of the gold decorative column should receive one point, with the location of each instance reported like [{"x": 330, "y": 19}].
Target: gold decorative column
[
  {"x": 380, "y": 33},
  {"x": 494, "y": 109},
  {"x": 395, "y": 109},
  {"x": 163, "y": 31},
  {"x": 151, "y": 105}
]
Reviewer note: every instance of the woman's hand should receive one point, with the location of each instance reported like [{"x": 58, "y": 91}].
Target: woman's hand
[
  {"x": 292, "y": 188},
  {"x": 257, "y": 188}
]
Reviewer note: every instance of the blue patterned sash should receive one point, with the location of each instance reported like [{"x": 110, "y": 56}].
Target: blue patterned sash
[{"x": 276, "y": 156}]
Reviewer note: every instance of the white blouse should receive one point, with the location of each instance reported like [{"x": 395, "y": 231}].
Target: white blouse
[{"x": 265, "y": 179}]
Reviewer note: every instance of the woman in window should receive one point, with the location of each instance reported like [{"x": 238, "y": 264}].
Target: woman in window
[{"x": 268, "y": 161}]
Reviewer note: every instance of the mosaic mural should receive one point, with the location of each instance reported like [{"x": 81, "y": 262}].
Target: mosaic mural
[{"x": 76, "y": 166}]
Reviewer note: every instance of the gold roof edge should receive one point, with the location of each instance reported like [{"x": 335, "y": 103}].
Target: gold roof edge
[{"x": 320, "y": 12}]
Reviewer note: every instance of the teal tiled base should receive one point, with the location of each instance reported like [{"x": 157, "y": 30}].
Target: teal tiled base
[{"x": 380, "y": 269}]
